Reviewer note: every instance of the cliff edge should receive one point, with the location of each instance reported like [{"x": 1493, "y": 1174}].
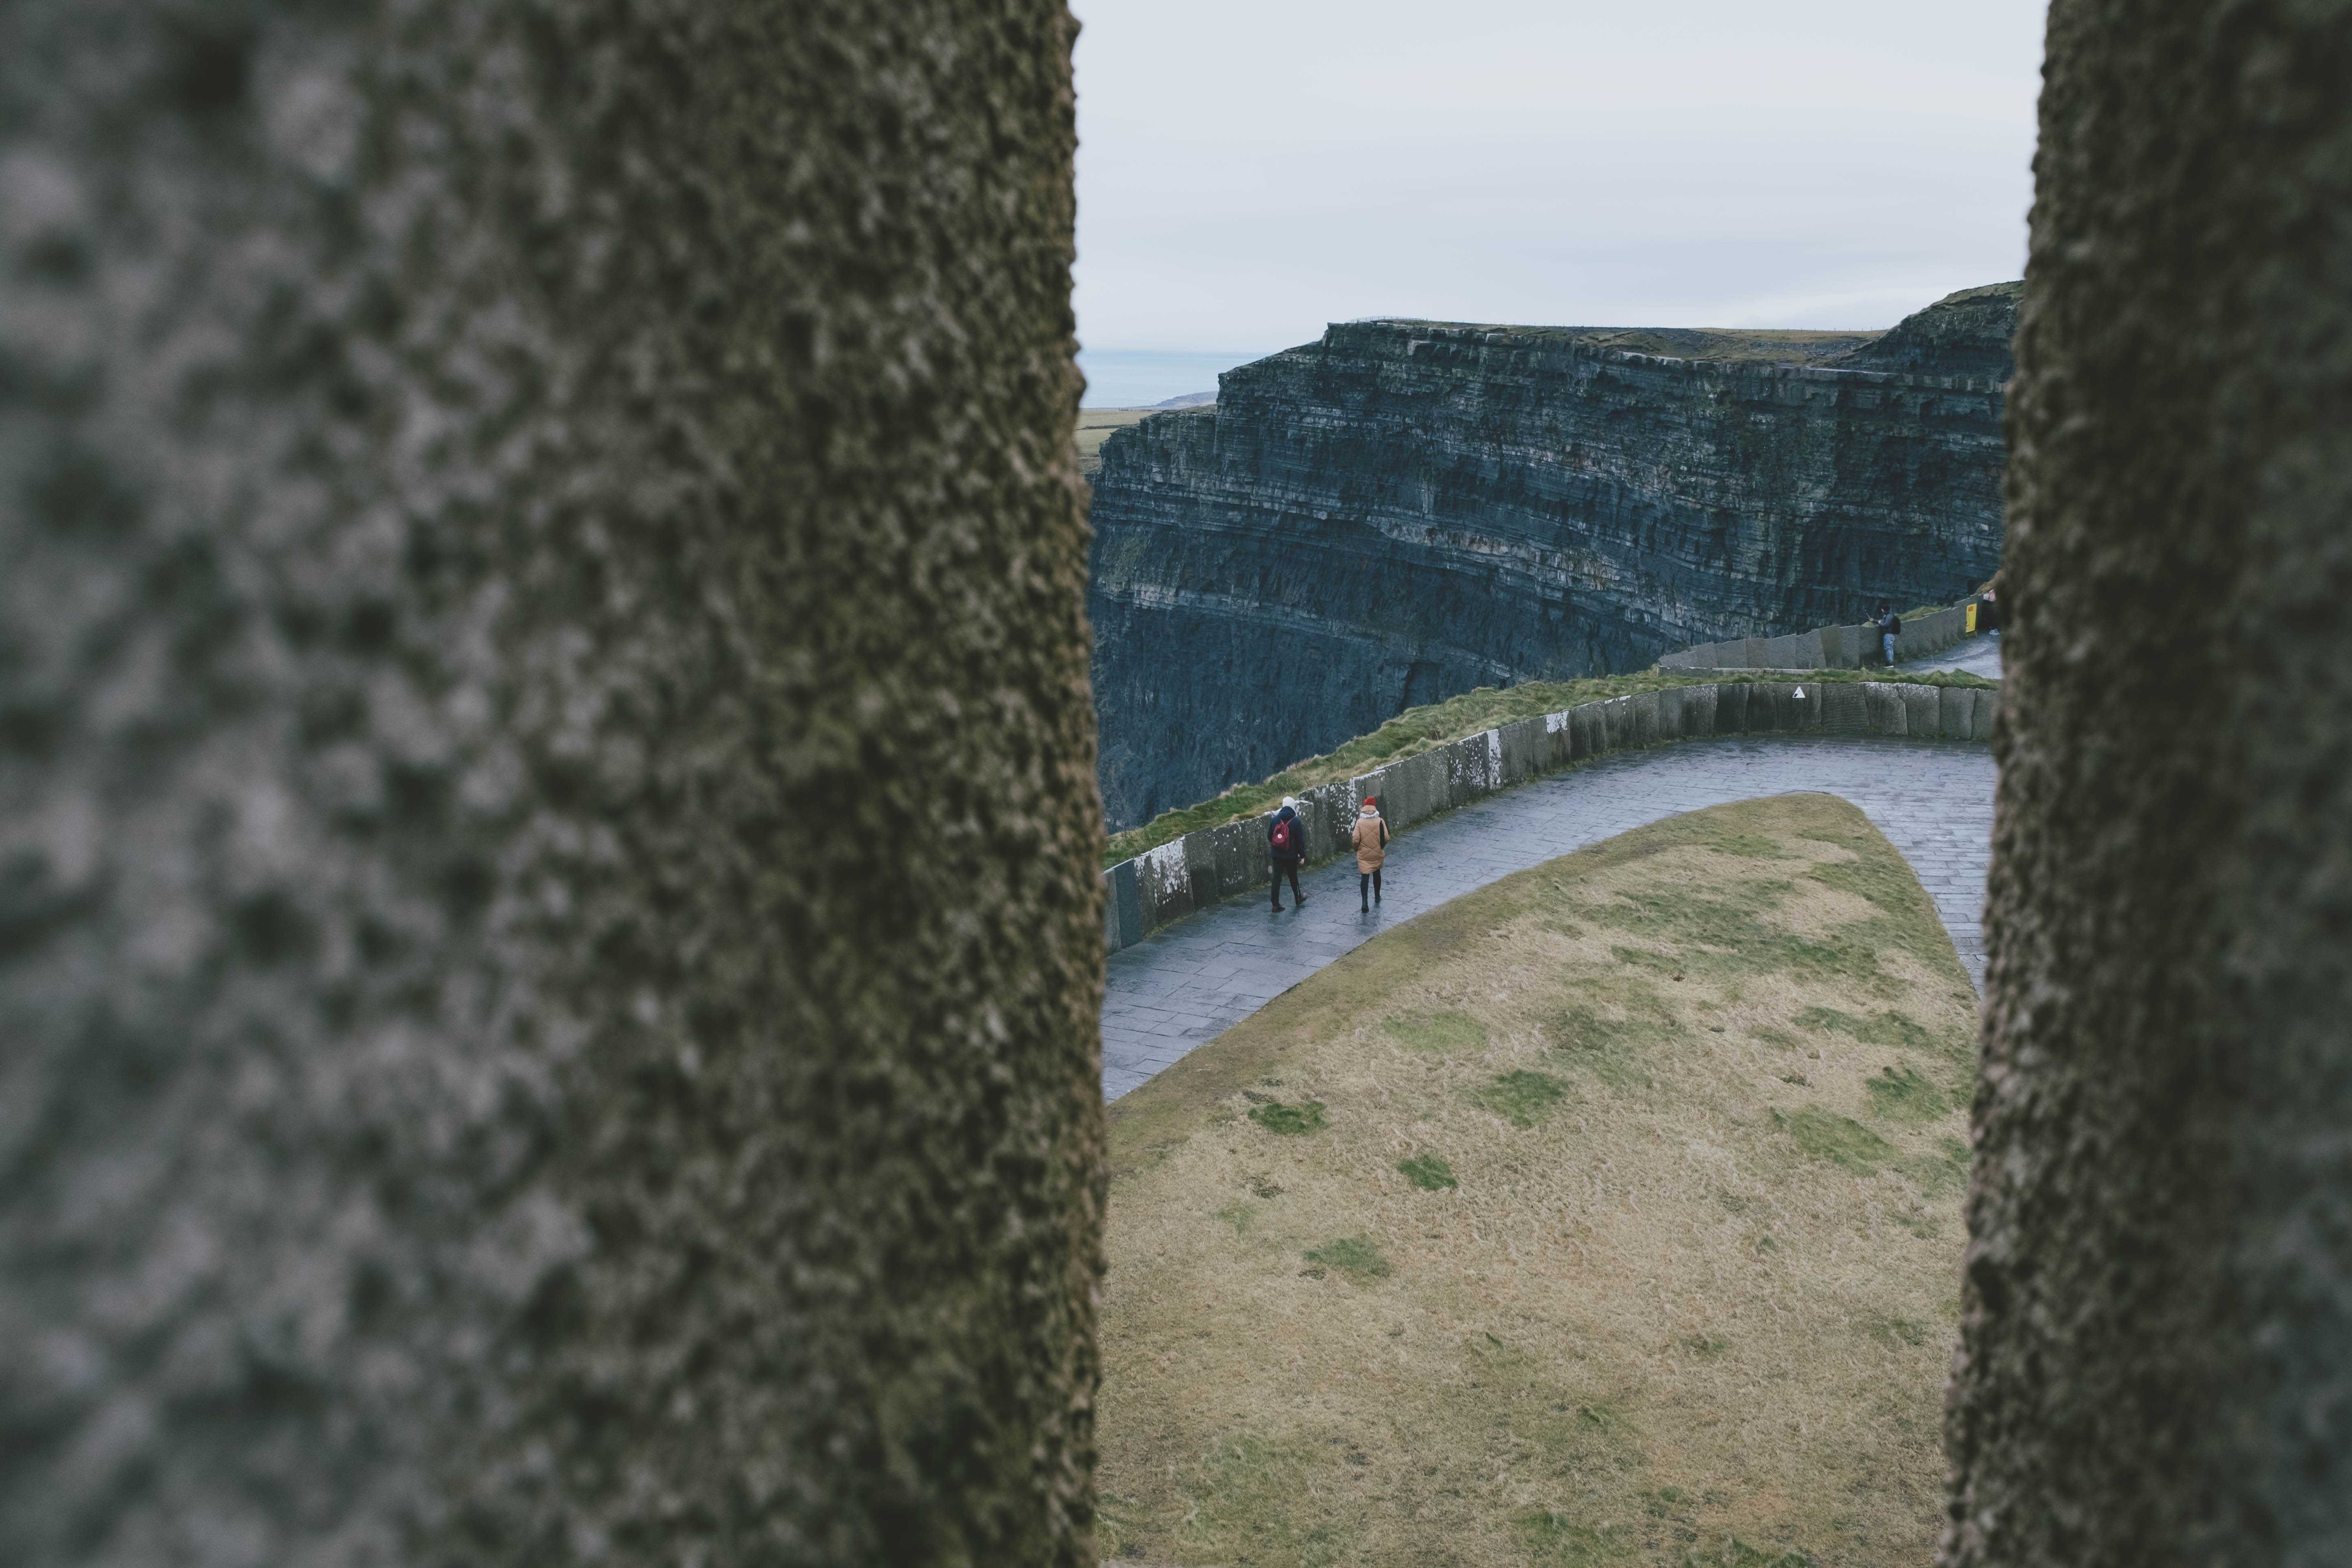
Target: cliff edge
[{"x": 1403, "y": 510}]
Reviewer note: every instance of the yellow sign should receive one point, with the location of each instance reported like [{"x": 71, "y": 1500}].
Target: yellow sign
[{"x": 1972, "y": 617}]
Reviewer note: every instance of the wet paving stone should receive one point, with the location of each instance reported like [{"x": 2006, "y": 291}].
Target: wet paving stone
[
  {"x": 1182, "y": 986},
  {"x": 1979, "y": 655}
]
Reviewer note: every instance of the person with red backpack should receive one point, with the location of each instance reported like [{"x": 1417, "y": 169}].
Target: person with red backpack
[{"x": 1286, "y": 842}]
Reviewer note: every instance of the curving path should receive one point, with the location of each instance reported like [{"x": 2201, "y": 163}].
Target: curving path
[
  {"x": 1979, "y": 655},
  {"x": 1184, "y": 986}
]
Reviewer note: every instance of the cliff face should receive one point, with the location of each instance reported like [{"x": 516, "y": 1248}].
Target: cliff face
[
  {"x": 1966, "y": 334},
  {"x": 1406, "y": 510}
]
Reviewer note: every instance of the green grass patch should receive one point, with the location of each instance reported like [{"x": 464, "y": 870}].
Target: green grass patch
[
  {"x": 1839, "y": 1139},
  {"x": 1521, "y": 1097},
  {"x": 1896, "y": 1330},
  {"x": 1725, "y": 935},
  {"x": 1844, "y": 955},
  {"x": 1695, "y": 919},
  {"x": 1612, "y": 1050},
  {"x": 1243, "y": 1500},
  {"x": 1442, "y": 1032},
  {"x": 1586, "y": 1436},
  {"x": 1738, "y": 1553},
  {"x": 1356, "y": 1257},
  {"x": 1430, "y": 1172},
  {"x": 1553, "y": 1538},
  {"x": 1418, "y": 729},
  {"x": 1290, "y": 1120},
  {"x": 1943, "y": 1170},
  {"x": 1887, "y": 1028},
  {"x": 1747, "y": 846},
  {"x": 1890, "y": 887},
  {"x": 1900, "y": 1094}
]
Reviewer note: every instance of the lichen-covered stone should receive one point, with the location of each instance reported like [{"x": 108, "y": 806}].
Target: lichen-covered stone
[
  {"x": 1404, "y": 510},
  {"x": 548, "y": 940},
  {"x": 2155, "y": 1364}
]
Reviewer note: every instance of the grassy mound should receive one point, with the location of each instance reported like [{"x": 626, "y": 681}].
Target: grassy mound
[
  {"x": 1610, "y": 1213},
  {"x": 1440, "y": 724}
]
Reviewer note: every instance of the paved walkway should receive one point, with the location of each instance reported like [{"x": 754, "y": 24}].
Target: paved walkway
[
  {"x": 1184, "y": 986},
  {"x": 1979, "y": 655}
]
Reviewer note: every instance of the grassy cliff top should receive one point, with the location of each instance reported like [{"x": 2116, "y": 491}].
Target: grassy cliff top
[
  {"x": 1096, "y": 425},
  {"x": 1610, "y": 1213},
  {"x": 1722, "y": 344},
  {"x": 1438, "y": 723}
]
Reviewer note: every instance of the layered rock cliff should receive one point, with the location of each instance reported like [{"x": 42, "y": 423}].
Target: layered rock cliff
[{"x": 1406, "y": 510}]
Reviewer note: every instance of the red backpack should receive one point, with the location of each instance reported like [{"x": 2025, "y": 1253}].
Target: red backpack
[{"x": 1282, "y": 839}]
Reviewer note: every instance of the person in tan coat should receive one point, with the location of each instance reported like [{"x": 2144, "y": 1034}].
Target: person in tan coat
[{"x": 1370, "y": 837}]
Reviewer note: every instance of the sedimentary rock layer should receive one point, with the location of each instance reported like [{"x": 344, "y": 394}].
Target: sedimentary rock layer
[{"x": 1406, "y": 510}]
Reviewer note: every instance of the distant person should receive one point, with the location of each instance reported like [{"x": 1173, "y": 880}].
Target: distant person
[
  {"x": 1370, "y": 837},
  {"x": 1286, "y": 842},
  {"x": 1890, "y": 626},
  {"x": 1988, "y": 605}
]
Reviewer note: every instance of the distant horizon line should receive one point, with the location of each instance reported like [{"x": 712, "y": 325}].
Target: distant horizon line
[{"x": 1453, "y": 321}]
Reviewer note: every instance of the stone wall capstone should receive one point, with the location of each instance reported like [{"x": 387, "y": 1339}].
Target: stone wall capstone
[
  {"x": 550, "y": 953},
  {"x": 1827, "y": 648}
]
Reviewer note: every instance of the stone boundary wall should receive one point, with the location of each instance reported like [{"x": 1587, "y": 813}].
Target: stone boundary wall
[
  {"x": 1827, "y": 648},
  {"x": 1164, "y": 884}
]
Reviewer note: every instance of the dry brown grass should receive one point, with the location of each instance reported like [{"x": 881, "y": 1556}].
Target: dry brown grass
[{"x": 1690, "y": 1295}]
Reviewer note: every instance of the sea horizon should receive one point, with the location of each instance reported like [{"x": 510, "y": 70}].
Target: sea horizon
[{"x": 1138, "y": 378}]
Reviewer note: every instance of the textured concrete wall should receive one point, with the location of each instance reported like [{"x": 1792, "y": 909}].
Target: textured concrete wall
[
  {"x": 548, "y": 945},
  {"x": 1827, "y": 648},
  {"x": 2156, "y": 1355}
]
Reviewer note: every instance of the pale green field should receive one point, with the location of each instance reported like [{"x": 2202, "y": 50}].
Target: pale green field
[{"x": 1095, "y": 425}]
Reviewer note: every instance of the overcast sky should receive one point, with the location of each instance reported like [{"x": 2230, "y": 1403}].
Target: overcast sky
[{"x": 1249, "y": 170}]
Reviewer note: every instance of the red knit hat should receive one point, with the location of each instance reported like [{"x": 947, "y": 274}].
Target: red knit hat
[{"x": 1373, "y": 803}]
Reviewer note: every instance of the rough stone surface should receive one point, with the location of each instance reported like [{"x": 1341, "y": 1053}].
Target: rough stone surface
[
  {"x": 1407, "y": 510},
  {"x": 2155, "y": 1364},
  {"x": 548, "y": 940}
]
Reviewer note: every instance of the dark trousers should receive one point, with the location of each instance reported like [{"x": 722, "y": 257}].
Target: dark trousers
[
  {"x": 1367, "y": 886},
  {"x": 1292, "y": 867}
]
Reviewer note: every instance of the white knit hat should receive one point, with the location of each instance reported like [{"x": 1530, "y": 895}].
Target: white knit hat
[{"x": 1291, "y": 801}]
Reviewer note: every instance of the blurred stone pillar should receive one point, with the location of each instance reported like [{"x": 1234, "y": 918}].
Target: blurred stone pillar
[
  {"x": 549, "y": 929},
  {"x": 2155, "y": 1364}
]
